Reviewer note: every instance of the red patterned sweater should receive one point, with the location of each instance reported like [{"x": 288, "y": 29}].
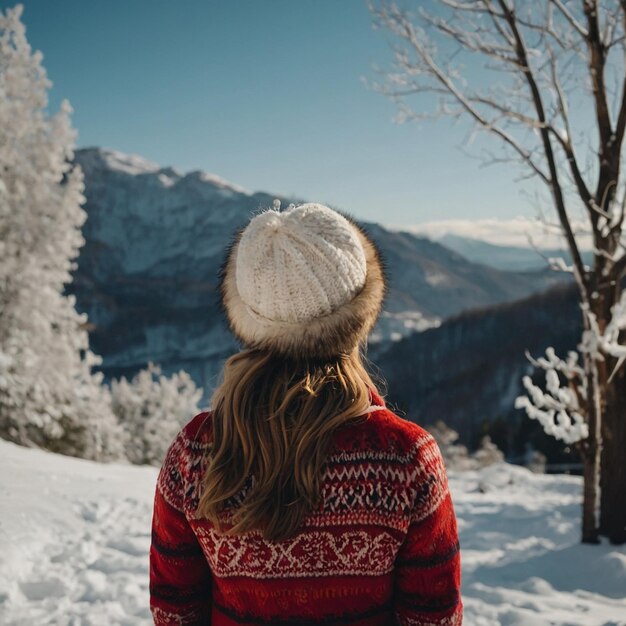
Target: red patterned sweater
[{"x": 382, "y": 548}]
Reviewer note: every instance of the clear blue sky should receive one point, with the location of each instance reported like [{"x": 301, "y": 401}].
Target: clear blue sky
[{"x": 265, "y": 93}]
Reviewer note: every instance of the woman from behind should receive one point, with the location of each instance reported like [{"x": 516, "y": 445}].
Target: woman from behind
[{"x": 300, "y": 498}]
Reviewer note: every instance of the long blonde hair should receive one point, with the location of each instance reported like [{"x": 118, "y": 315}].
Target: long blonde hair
[{"x": 273, "y": 419}]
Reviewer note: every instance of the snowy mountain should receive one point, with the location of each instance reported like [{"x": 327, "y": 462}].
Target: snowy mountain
[
  {"x": 155, "y": 238},
  {"x": 74, "y": 540}
]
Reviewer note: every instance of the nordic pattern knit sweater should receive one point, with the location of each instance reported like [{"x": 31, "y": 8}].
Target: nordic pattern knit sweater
[{"x": 382, "y": 548}]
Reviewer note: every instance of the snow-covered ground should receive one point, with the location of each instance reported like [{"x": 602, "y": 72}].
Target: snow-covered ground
[{"x": 74, "y": 539}]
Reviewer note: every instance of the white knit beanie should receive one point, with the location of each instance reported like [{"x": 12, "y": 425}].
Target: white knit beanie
[
  {"x": 299, "y": 264},
  {"x": 306, "y": 281}
]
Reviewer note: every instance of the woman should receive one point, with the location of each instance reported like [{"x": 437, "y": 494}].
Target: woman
[{"x": 300, "y": 498}]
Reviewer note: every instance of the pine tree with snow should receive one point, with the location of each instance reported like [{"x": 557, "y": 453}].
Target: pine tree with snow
[
  {"x": 152, "y": 408},
  {"x": 49, "y": 395}
]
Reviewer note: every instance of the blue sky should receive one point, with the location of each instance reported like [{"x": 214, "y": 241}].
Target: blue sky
[{"x": 265, "y": 93}]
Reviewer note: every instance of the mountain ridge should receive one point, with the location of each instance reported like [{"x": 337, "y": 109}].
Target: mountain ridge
[{"x": 155, "y": 238}]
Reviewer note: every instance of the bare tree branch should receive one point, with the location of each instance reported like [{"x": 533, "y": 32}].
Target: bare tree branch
[
  {"x": 579, "y": 28},
  {"x": 520, "y": 49},
  {"x": 398, "y": 23},
  {"x": 597, "y": 59},
  {"x": 621, "y": 116}
]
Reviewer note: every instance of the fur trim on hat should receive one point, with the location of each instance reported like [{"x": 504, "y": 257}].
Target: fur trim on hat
[{"x": 321, "y": 337}]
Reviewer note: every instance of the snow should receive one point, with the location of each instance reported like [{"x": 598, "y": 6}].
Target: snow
[
  {"x": 437, "y": 278},
  {"x": 131, "y": 164},
  {"x": 74, "y": 539},
  {"x": 219, "y": 182},
  {"x": 522, "y": 560},
  {"x": 395, "y": 326},
  {"x": 166, "y": 181}
]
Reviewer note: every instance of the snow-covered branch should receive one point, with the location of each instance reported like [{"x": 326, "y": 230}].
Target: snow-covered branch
[
  {"x": 599, "y": 344},
  {"x": 557, "y": 408}
]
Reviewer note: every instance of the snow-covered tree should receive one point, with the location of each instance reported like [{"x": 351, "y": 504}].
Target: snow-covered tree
[
  {"x": 535, "y": 460},
  {"x": 456, "y": 456},
  {"x": 152, "y": 408},
  {"x": 487, "y": 454},
  {"x": 553, "y": 99},
  {"x": 49, "y": 395}
]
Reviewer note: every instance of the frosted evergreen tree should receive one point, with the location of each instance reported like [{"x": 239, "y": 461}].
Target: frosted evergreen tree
[
  {"x": 535, "y": 460},
  {"x": 487, "y": 454},
  {"x": 152, "y": 408},
  {"x": 455, "y": 455},
  {"x": 49, "y": 395}
]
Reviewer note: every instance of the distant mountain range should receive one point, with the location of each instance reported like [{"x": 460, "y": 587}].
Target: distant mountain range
[
  {"x": 512, "y": 258},
  {"x": 510, "y": 232},
  {"x": 155, "y": 237}
]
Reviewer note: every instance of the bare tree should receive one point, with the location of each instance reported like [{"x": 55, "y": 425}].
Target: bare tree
[{"x": 557, "y": 106}]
